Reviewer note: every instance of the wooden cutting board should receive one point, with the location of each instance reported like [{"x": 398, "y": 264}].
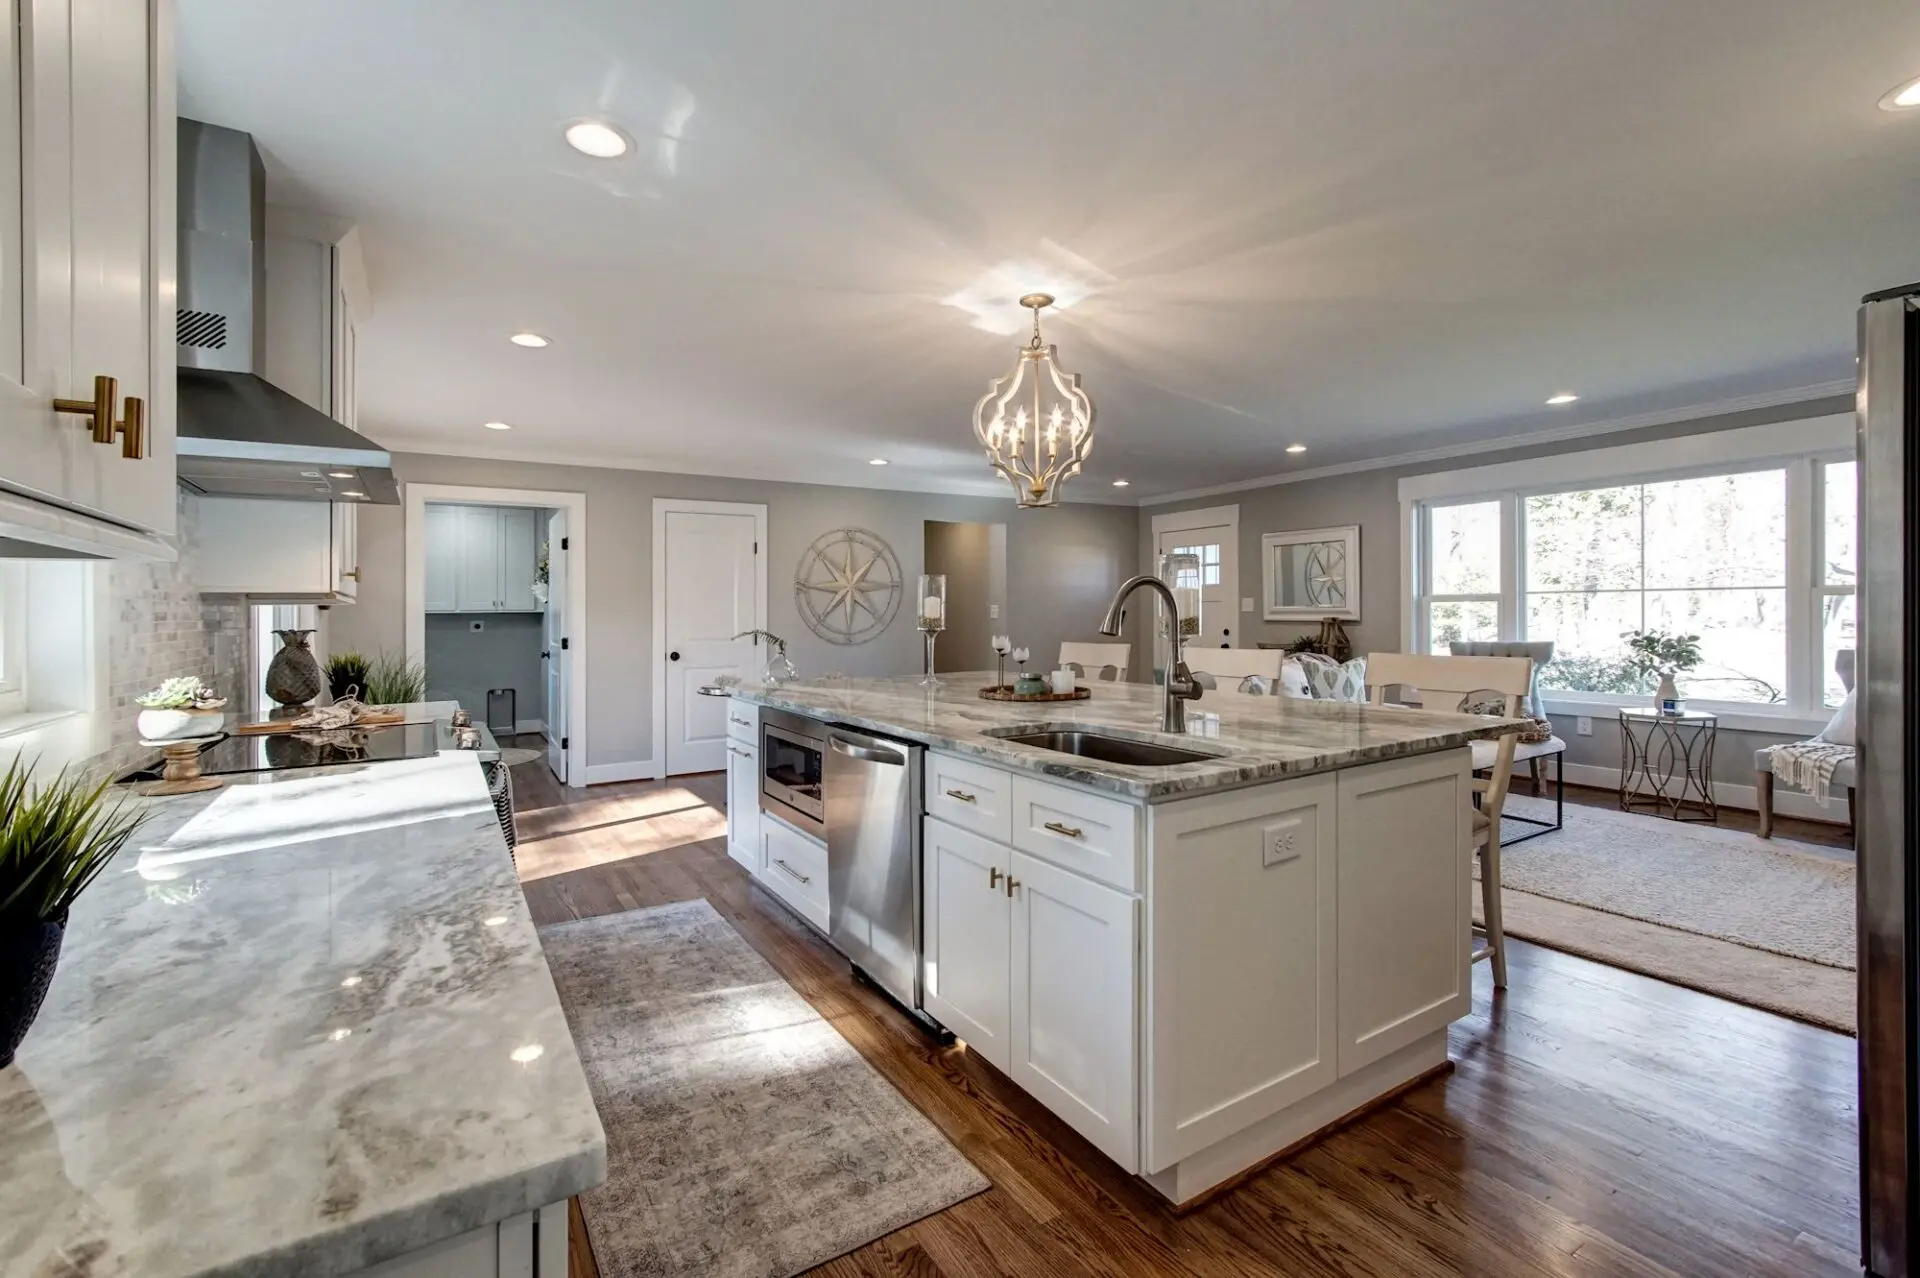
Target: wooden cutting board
[{"x": 373, "y": 719}]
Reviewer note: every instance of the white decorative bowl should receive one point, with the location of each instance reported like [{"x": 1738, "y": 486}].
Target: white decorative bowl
[{"x": 172, "y": 725}]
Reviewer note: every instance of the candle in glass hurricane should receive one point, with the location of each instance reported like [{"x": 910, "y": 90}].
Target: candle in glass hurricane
[{"x": 932, "y": 596}]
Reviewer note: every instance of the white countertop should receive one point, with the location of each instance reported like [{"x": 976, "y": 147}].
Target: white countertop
[{"x": 301, "y": 1025}]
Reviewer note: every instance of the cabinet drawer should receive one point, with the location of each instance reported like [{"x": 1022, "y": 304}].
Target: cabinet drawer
[
  {"x": 970, "y": 795},
  {"x": 743, "y": 723},
  {"x": 1089, "y": 833},
  {"x": 794, "y": 868}
]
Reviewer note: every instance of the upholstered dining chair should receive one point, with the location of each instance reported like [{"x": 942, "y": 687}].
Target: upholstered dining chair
[
  {"x": 1093, "y": 660},
  {"x": 1532, "y": 753},
  {"x": 1443, "y": 683}
]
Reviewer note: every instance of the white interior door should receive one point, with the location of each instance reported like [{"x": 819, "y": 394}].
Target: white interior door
[
  {"x": 1213, "y": 535},
  {"x": 559, "y": 652},
  {"x": 710, "y": 588}
]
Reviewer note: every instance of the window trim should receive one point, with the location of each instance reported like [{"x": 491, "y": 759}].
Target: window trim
[
  {"x": 1799, "y": 447},
  {"x": 13, "y": 639}
]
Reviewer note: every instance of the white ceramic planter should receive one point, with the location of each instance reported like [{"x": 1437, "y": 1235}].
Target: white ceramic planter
[{"x": 172, "y": 725}]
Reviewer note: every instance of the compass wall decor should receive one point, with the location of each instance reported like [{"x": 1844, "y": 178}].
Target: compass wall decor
[{"x": 847, "y": 587}]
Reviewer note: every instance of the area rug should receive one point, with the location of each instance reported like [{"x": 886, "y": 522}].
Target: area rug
[
  {"x": 514, "y": 756},
  {"x": 1748, "y": 919},
  {"x": 745, "y": 1137}
]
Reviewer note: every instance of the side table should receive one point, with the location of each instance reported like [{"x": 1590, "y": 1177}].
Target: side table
[{"x": 1666, "y": 764}]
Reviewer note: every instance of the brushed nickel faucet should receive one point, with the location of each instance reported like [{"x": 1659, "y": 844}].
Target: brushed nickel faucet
[{"x": 1179, "y": 687}]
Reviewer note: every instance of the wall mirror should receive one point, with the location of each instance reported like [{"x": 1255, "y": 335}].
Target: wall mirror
[{"x": 1312, "y": 573}]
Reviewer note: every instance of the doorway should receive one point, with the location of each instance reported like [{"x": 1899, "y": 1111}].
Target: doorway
[
  {"x": 495, "y": 601},
  {"x": 1212, "y": 535},
  {"x": 974, "y": 559},
  {"x": 709, "y": 588}
]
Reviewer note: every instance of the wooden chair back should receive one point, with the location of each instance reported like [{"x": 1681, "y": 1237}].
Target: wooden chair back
[
  {"x": 1229, "y": 666},
  {"x": 1095, "y": 657},
  {"x": 1442, "y": 683}
]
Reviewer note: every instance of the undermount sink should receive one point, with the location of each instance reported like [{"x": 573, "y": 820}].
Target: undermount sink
[{"x": 1098, "y": 745}]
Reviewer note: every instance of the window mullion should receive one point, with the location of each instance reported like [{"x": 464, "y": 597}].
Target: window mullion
[
  {"x": 1512, "y": 550},
  {"x": 1804, "y": 678}
]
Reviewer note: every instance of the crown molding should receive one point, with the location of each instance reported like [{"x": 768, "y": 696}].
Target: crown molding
[
  {"x": 883, "y": 479},
  {"x": 1551, "y": 435}
]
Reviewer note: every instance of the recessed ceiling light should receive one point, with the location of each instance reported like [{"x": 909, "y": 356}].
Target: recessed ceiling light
[
  {"x": 1564, "y": 397},
  {"x": 533, "y": 340},
  {"x": 1296, "y": 448},
  {"x": 496, "y": 425},
  {"x": 1904, "y": 98},
  {"x": 600, "y": 140},
  {"x": 340, "y": 474},
  {"x": 1119, "y": 483},
  {"x": 878, "y": 461}
]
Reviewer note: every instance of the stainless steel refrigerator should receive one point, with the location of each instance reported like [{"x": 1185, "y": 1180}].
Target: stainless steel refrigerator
[{"x": 1889, "y": 790}]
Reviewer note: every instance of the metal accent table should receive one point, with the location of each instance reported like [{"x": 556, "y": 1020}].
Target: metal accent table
[{"x": 1666, "y": 764}]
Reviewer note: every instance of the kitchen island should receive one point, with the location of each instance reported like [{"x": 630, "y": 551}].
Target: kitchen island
[
  {"x": 302, "y": 1025},
  {"x": 1196, "y": 964}
]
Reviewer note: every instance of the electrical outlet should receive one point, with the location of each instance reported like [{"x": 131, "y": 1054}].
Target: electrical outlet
[
  {"x": 1583, "y": 726},
  {"x": 476, "y": 626},
  {"x": 1284, "y": 840}
]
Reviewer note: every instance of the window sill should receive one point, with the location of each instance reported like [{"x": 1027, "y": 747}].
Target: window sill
[
  {"x": 12, "y": 725},
  {"x": 1734, "y": 718}
]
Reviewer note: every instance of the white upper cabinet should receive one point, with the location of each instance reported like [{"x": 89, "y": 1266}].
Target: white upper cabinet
[
  {"x": 482, "y": 558},
  {"x": 87, "y": 263},
  {"x": 316, "y": 293},
  {"x": 279, "y": 551}
]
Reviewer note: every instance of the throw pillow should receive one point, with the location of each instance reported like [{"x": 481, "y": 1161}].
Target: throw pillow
[
  {"x": 1343, "y": 682},
  {"x": 1293, "y": 677},
  {"x": 1839, "y": 729}
]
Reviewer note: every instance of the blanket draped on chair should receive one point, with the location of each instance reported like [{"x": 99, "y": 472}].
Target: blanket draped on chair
[{"x": 1808, "y": 766}]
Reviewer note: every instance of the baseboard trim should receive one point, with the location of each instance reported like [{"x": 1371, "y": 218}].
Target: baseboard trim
[
  {"x": 530, "y": 726},
  {"x": 1726, "y": 793},
  {"x": 609, "y": 773}
]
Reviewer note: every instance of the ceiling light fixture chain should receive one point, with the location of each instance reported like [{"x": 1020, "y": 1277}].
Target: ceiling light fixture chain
[{"x": 1041, "y": 446}]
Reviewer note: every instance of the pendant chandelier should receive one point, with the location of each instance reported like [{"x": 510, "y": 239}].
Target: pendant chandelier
[{"x": 1050, "y": 432}]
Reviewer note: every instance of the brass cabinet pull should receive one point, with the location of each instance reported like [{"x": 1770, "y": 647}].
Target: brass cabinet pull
[
  {"x": 1072, "y": 832},
  {"x": 1012, "y": 883},
  {"x": 993, "y": 877},
  {"x": 131, "y": 429},
  {"x": 790, "y": 870},
  {"x": 352, "y": 574},
  {"x": 963, "y": 796}
]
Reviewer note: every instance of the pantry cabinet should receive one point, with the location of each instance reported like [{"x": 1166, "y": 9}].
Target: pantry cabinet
[
  {"x": 87, "y": 246},
  {"x": 482, "y": 558}
]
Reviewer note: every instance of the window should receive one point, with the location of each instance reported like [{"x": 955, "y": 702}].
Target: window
[
  {"x": 1839, "y": 491},
  {"x": 1209, "y": 557},
  {"x": 1463, "y": 595},
  {"x": 13, "y": 637},
  {"x": 1746, "y": 538}
]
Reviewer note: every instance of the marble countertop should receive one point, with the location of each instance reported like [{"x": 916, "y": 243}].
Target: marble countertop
[
  {"x": 1253, "y": 739},
  {"x": 302, "y": 1024}
]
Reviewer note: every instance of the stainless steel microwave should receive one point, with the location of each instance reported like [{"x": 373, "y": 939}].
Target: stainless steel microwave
[{"x": 792, "y": 760}]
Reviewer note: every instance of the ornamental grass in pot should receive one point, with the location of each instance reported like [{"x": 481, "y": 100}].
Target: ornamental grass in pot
[{"x": 54, "y": 841}]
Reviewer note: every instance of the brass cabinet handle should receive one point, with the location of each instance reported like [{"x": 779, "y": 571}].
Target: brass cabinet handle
[
  {"x": 790, "y": 870},
  {"x": 1072, "y": 832},
  {"x": 993, "y": 877},
  {"x": 1012, "y": 883},
  {"x": 351, "y": 574},
  {"x": 131, "y": 428},
  {"x": 963, "y": 796}
]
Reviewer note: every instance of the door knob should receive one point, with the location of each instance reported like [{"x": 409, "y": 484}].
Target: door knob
[
  {"x": 131, "y": 428},
  {"x": 673, "y": 656}
]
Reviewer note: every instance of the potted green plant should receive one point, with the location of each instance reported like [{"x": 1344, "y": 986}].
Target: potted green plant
[
  {"x": 54, "y": 841},
  {"x": 179, "y": 708},
  {"x": 1662, "y": 653},
  {"x": 347, "y": 675},
  {"x": 394, "y": 679}
]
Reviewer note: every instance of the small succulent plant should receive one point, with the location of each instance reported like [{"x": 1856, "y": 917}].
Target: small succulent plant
[{"x": 187, "y": 692}]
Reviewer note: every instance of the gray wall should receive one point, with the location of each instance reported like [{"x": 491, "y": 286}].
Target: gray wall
[
  {"x": 1371, "y": 499},
  {"x": 505, "y": 653},
  {"x": 966, "y": 553},
  {"x": 1062, "y": 565}
]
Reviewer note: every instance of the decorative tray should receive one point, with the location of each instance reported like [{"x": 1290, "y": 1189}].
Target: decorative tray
[
  {"x": 1005, "y": 692},
  {"x": 370, "y": 719}
]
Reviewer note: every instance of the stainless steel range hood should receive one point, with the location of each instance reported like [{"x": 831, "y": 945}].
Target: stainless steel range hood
[{"x": 240, "y": 435}]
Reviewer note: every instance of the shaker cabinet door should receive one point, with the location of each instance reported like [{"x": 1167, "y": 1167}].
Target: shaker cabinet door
[
  {"x": 519, "y": 549},
  {"x": 443, "y": 558},
  {"x": 965, "y": 937},
  {"x": 479, "y": 559},
  {"x": 743, "y": 804}
]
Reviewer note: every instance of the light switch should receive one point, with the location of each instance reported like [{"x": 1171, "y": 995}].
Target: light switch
[
  {"x": 993, "y": 612},
  {"x": 1246, "y": 603},
  {"x": 1285, "y": 840}
]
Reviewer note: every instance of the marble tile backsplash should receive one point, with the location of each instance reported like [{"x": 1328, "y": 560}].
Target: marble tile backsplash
[{"x": 159, "y": 625}]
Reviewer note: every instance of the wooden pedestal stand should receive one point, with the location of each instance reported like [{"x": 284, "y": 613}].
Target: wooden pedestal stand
[{"x": 182, "y": 772}]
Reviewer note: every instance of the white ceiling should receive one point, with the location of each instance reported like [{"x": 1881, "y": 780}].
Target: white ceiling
[{"x": 1367, "y": 226}]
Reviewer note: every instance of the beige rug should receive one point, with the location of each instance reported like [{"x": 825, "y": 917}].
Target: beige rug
[
  {"x": 1754, "y": 920},
  {"x": 745, "y": 1137}
]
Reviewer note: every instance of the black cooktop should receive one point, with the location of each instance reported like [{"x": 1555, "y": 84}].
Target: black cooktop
[{"x": 312, "y": 749}]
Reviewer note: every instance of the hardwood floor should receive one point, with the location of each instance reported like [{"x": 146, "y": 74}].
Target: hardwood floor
[{"x": 1596, "y": 1122}]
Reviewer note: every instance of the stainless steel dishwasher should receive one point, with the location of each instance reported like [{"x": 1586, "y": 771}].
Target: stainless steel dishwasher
[{"x": 872, "y": 787}]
